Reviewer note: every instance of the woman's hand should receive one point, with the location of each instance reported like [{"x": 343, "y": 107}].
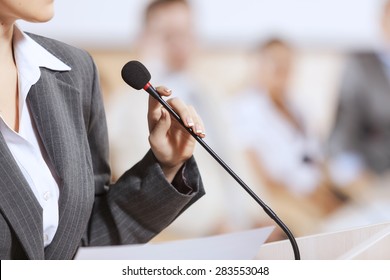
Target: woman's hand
[{"x": 171, "y": 144}]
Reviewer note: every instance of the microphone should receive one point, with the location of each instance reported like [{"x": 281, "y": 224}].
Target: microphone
[{"x": 135, "y": 74}]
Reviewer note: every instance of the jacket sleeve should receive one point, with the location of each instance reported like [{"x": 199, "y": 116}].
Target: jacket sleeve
[{"x": 142, "y": 202}]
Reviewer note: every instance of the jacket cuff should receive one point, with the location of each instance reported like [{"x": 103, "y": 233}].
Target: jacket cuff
[{"x": 180, "y": 182}]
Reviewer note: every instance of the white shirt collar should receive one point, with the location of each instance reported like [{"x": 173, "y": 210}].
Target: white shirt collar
[{"x": 29, "y": 57}]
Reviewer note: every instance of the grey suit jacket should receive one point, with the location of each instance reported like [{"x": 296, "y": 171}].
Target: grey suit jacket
[
  {"x": 68, "y": 112},
  {"x": 362, "y": 123}
]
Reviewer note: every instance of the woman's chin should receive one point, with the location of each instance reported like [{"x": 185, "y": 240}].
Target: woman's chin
[{"x": 43, "y": 16}]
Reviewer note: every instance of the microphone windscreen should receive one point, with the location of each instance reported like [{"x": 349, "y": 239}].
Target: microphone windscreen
[{"x": 135, "y": 74}]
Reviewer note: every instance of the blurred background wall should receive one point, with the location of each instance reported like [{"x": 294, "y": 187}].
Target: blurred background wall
[
  {"x": 323, "y": 32},
  {"x": 324, "y": 23}
]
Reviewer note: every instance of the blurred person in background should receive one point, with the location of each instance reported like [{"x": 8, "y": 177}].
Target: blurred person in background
[
  {"x": 269, "y": 129},
  {"x": 167, "y": 45},
  {"x": 360, "y": 141},
  {"x": 359, "y": 144}
]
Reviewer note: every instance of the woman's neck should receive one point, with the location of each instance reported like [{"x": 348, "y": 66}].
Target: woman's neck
[
  {"x": 9, "y": 95},
  {"x": 6, "y": 35}
]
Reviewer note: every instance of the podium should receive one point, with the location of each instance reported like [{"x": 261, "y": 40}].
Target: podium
[
  {"x": 232, "y": 246},
  {"x": 363, "y": 243}
]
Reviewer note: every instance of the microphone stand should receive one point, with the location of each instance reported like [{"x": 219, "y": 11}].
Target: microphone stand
[{"x": 150, "y": 89}]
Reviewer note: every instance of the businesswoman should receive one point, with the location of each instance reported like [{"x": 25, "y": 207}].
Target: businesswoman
[{"x": 55, "y": 194}]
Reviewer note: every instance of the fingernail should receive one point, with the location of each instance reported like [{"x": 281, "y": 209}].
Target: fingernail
[
  {"x": 190, "y": 122},
  {"x": 198, "y": 129},
  {"x": 167, "y": 90}
]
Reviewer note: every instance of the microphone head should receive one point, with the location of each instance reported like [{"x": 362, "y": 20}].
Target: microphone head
[{"x": 135, "y": 74}]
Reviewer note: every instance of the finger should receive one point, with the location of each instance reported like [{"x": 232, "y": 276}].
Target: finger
[
  {"x": 154, "y": 113},
  {"x": 161, "y": 128},
  {"x": 154, "y": 106},
  {"x": 182, "y": 110},
  {"x": 199, "y": 128},
  {"x": 164, "y": 91}
]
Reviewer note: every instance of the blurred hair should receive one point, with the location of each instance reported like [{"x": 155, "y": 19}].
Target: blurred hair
[
  {"x": 386, "y": 7},
  {"x": 271, "y": 43},
  {"x": 158, "y": 4}
]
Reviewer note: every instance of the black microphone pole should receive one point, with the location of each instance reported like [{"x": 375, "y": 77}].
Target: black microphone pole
[
  {"x": 153, "y": 92},
  {"x": 149, "y": 88}
]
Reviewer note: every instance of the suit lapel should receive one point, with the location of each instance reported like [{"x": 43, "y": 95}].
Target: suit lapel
[
  {"x": 19, "y": 205},
  {"x": 47, "y": 110},
  {"x": 56, "y": 109}
]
